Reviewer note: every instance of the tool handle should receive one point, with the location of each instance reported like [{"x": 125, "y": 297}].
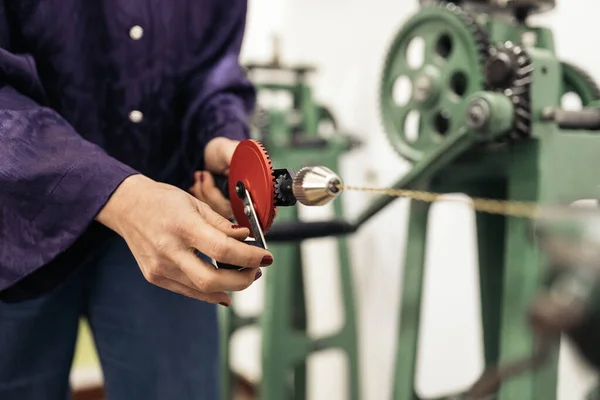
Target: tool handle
[
  {"x": 222, "y": 183},
  {"x": 237, "y": 267},
  {"x": 296, "y": 231}
]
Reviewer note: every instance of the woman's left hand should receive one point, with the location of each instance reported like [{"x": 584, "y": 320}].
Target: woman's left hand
[{"x": 217, "y": 157}]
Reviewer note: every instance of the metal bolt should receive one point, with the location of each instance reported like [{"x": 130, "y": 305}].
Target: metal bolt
[
  {"x": 423, "y": 88},
  {"x": 549, "y": 114},
  {"x": 478, "y": 114}
]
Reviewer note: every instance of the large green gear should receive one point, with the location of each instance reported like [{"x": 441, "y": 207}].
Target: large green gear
[{"x": 455, "y": 49}]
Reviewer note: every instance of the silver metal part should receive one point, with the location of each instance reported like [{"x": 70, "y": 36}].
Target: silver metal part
[
  {"x": 253, "y": 219},
  {"x": 316, "y": 186},
  {"x": 423, "y": 88},
  {"x": 478, "y": 114}
]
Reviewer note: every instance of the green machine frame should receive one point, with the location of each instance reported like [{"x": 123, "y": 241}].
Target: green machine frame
[
  {"x": 488, "y": 95},
  {"x": 293, "y": 139}
]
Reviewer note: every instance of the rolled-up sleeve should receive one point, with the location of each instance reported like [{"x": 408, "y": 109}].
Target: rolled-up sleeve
[
  {"x": 219, "y": 100},
  {"x": 53, "y": 183}
]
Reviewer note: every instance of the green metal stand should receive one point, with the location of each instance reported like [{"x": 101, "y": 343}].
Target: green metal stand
[
  {"x": 293, "y": 141},
  {"x": 550, "y": 167},
  {"x": 541, "y": 162}
]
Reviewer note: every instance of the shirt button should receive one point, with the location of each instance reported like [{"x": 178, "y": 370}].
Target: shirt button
[
  {"x": 136, "y": 32},
  {"x": 136, "y": 116}
]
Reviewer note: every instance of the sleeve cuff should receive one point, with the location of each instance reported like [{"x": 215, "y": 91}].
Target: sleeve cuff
[
  {"x": 68, "y": 211},
  {"x": 79, "y": 196},
  {"x": 225, "y": 117}
]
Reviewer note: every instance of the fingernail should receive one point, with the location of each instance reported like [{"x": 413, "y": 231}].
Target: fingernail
[
  {"x": 258, "y": 275},
  {"x": 236, "y": 227},
  {"x": 267, "y": 260},
  {"x": 224, "y": 304}
]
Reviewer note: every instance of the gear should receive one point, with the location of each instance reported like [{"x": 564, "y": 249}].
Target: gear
[
  {"x": 509, "y": 70},
  {"x": 456, "y": 48},
  {"x": 578, "y": 81},
  {"x": 252, "y": 166},
  {"x": 279, "y": 194},
  {"x": 515, "y": 6}
]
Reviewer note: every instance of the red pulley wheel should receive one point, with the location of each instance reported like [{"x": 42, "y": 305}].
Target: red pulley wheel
[{"x": 252, "y": 166}]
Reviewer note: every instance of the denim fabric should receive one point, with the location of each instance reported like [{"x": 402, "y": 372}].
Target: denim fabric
[{"x": 153, "y": 344}]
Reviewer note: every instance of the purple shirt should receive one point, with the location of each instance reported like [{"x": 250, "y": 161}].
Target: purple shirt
[{"x": 92, "y": 91}]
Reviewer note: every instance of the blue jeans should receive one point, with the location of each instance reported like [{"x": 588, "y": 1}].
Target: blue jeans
[{"x": 152, "y": 344}]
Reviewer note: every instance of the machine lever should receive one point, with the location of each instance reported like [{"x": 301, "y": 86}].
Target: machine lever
[{"x": 257, "y": 232}]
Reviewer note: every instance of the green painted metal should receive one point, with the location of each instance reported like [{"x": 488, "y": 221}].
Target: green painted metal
[
  {"x": 294, "y": 140},
  {"x": 455, "y": 159},
  {"x": 502, "y": 117},
  {"x": 453, "y": 66},
  {"x": 551, "y": 166}
]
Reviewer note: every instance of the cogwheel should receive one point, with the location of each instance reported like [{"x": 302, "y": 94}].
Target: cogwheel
[
  {"x": 479, "y": 34},
  {"x": 578, "y": 81},
  {"x": 273, "y": 212},
  {"x": 509, "y": 70},
  {"x": 252, "y": 166},
  {"x": 278, "y": 182},
  {"x": 456, "y": 48}
]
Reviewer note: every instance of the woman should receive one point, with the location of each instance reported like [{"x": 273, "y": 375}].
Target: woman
[{"x": 107, "y": 108}]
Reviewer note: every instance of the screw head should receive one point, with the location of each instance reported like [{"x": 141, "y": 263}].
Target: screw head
[
  {"x": 478, "y": 114},
  {"x": 423, "y": 88}
]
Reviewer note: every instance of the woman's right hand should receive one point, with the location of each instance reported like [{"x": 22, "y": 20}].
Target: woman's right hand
[{"x": 164, "y": 228}]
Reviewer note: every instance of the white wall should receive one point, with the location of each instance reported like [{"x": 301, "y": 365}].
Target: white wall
[{"x": 347, "y": 40}]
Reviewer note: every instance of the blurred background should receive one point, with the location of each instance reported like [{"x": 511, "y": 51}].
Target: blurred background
[{"x": 347, "y": 40}]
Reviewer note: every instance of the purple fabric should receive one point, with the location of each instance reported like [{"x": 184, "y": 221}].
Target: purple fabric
[{"x": 70, "y": 74}]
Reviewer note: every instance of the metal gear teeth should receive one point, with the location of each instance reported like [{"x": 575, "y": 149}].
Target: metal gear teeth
[
  {"x": 592, "y": 85},
  {"x": 278, "y": 182},
  {"x": 273, "y": 212},
  {"x": 480, "y": 36},
  {"x": 518, "y": 90}
]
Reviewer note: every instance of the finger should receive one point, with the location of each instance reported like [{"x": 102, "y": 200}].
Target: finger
[
  {"x": 221, "y": 298},
  {"x": 214, "y": 197},
  {"x": 179, "y": 275},
  {"x": 221, "y": 223},
  {"x": 228, "y": 151},
  {"x": 218, "y": 243},
  {"x": 208, "y": 279},
  {"x": 218, "y": 153},
  {"x": 232, "y": 230},
  {"x": 238, "y": 232},
  {"x": 196, "y": 188},
  {"x": 171, "y": 277}
]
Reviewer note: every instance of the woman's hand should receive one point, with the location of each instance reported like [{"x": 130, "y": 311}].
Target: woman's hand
[
  {"x": 165, "y": 228},
  {"x": 217, "y": 157}
]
